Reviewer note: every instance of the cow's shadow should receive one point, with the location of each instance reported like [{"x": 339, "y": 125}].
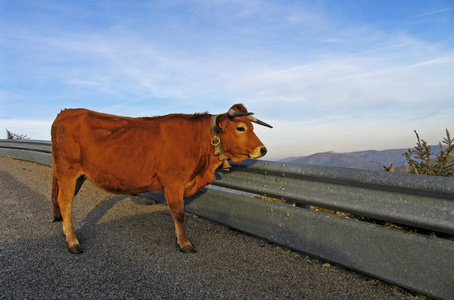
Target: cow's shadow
[
  {"x": 89, "y": 222},
  {"x": 92, "y": 221},
  {"x": 96, "y": 214}
]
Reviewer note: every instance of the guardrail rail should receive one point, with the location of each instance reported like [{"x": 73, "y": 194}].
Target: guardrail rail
[
  {"x": 419, "y": 262},
  {"x": 30, "y": 150}
]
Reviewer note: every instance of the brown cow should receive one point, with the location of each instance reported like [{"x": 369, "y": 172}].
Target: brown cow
[{"x": 176, "y": 154}]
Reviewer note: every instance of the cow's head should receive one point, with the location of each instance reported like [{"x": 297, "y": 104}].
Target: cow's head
[{"x": 236, "y": 132}]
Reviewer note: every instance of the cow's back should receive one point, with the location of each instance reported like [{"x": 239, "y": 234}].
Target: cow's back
[{"x": 122, "y": 154}]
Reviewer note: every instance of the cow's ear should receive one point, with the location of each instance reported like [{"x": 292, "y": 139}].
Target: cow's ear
[
  {"x": 239, "y": 108},
  {"x": 220, "y": 122}
]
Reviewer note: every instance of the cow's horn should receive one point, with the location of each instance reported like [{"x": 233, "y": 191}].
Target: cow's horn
[
  {"x": 233, "y": 113},
  {"x": 255, "y": 120}
]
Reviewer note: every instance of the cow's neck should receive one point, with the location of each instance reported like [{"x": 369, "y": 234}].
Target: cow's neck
[{"x": 217, "y": 146}]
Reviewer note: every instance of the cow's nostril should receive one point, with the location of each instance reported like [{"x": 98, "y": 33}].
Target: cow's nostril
[{"x": 263, "y": 151}]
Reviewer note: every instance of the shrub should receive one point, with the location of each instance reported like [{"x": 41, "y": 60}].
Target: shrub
[
  {"x": 423, "y": 163},
  {"x": 14, "y": 136}
]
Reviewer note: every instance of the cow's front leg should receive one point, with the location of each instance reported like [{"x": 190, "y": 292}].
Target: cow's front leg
[{"x": 174, "y": 198}]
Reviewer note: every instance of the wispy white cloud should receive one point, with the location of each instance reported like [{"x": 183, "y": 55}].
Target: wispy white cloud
[
  {"x": 447, "y": 10},
  {"x": 296, "y": 64}
]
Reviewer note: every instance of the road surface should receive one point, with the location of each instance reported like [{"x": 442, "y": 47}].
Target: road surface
[{"x": 131, "y": 253}]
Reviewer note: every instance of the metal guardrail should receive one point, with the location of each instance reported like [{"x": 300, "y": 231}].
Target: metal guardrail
[
  {"x": 420, "y": 201},
  {"x": 34, "y": 151},
  {"x": 423, "y": 263}
]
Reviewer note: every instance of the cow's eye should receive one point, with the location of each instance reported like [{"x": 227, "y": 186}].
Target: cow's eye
[{"x": 241, "y": 129}]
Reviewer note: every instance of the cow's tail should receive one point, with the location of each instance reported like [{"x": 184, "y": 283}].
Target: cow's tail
[
  {"x": 56, "y": 207},
  {"x": 55, "y": 187}
]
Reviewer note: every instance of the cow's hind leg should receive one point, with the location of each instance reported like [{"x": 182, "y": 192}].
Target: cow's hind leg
[
  {"x": 55, "y": 206},
  {"x": 68, "y": 187},
  {"x": 175, "y": 202},
  {"x": 55, "y": 191}
]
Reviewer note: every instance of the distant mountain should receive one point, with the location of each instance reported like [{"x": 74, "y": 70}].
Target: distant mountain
[{"x": 370, "y": 159}]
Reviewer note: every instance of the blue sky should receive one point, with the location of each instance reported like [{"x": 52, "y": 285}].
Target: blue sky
[{"x": 328, "y": 75}]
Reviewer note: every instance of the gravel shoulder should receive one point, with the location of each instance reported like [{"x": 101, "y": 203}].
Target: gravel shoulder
[{"x": 130, "y": 253}]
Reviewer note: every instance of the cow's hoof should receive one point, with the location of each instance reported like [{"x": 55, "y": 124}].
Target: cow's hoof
[
  {"x": 75, "y": 250},
  {"x": 188, "y": 250}
]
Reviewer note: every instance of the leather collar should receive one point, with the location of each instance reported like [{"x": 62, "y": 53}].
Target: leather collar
[{"x": 216, "y": 142}]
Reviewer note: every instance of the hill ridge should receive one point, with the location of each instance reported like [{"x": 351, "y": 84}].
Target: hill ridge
[{"x": 366, "y": 159}]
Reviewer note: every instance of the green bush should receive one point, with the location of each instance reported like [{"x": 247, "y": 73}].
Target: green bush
[
  {"x": 14, "y": 136},
  {"x": 420, "y": 159}
]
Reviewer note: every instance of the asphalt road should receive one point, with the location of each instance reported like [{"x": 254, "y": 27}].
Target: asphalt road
[{"x": 131, "y": 253}]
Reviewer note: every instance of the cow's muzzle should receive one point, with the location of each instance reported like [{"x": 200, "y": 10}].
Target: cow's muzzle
[
  {"x": 263, "y": 151},
  {"x": 258, "y": 152}
]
